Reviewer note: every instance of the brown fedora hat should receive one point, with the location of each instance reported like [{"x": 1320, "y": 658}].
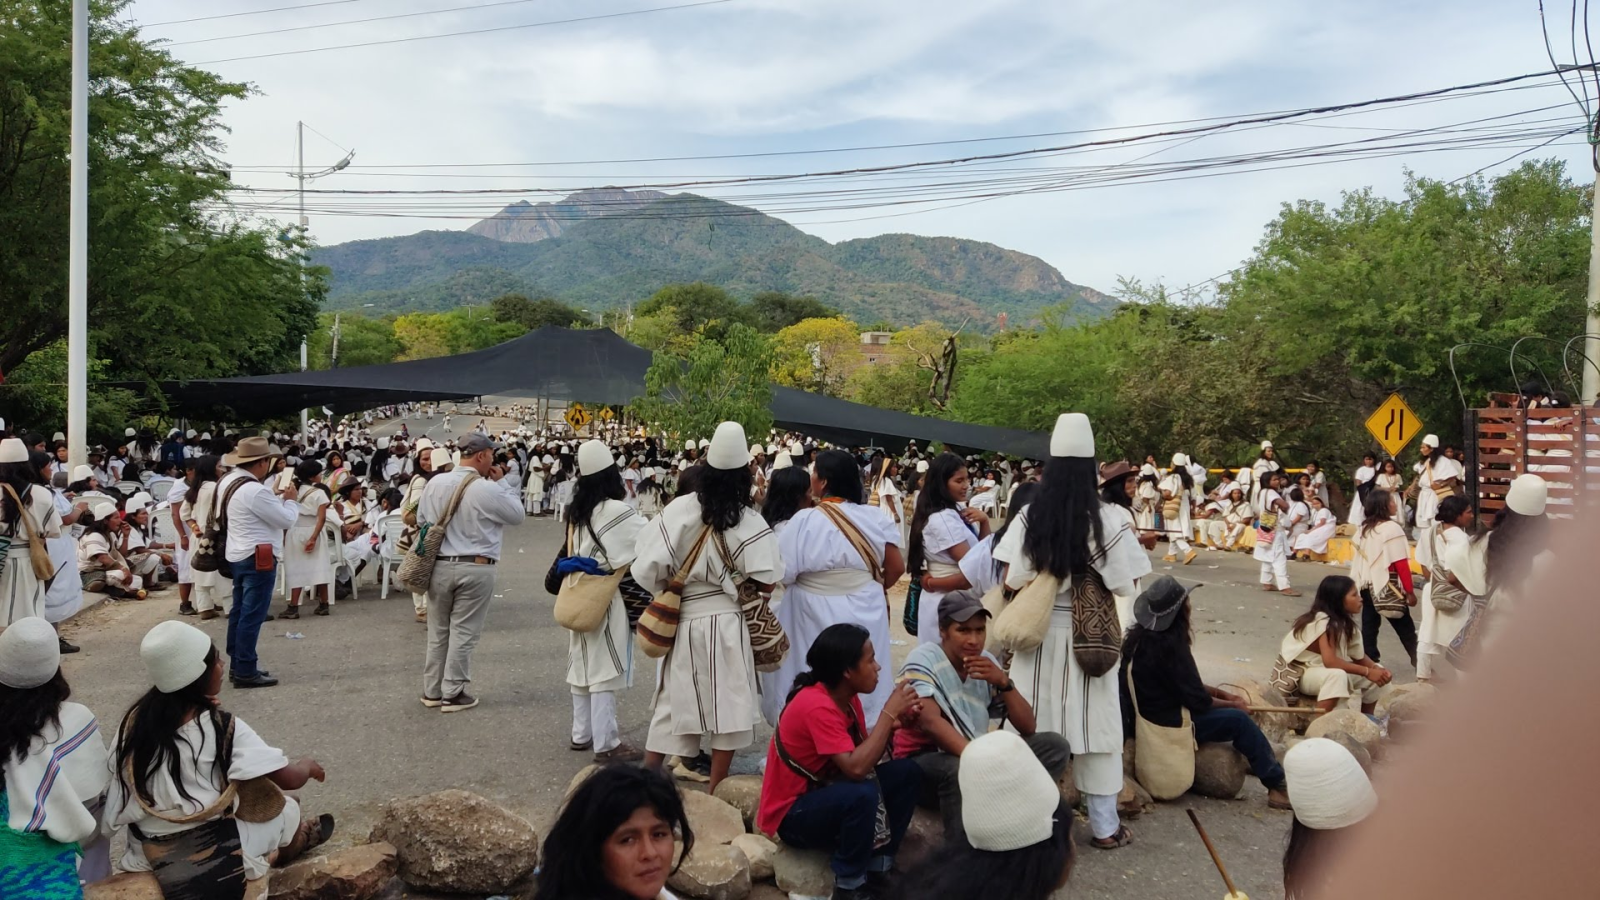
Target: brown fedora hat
[
  {"x": 1110, "y": 472},
  {"x": 251, "y": 449}
]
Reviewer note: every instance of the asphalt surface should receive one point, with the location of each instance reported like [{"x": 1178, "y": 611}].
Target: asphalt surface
[{"x": 350, "y": 688}]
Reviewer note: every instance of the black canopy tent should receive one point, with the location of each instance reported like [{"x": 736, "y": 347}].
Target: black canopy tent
[{"x": 589, "y": 366}]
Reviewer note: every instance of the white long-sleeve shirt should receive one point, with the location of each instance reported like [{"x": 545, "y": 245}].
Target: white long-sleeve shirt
[
  {"x": 65, "y": 772},
  {"x": 478, "y": 526},
  {"x": 255, "y": 516}
]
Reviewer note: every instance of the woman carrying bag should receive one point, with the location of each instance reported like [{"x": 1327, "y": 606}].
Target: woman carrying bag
[
  {"x": 1381, "y": 568},
  {"x": 603, "y": 527}
]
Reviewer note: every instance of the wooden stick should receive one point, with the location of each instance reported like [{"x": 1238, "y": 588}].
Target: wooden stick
[
  {"x": 1223, "y": 870},
  {"x": 1302, "y": 710}
]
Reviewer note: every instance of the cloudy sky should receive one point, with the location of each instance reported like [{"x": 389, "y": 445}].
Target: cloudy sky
[{"x": 753, "y": 81}]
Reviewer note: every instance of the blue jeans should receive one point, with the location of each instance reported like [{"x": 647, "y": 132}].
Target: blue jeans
[
  {"x": 1234, "y": 726},
  {"x": 252, "y": 594},
  {"x": 842, "y": 817}
]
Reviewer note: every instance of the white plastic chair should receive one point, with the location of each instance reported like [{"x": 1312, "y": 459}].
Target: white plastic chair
[
  {"x": 389, "y": 529},
  {"x": 336, "y": 551},
  {"x": 129, "y": 488},
  {"x": 161, "y": 489}
]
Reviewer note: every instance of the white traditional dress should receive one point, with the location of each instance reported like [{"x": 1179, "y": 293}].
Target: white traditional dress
[
  {"x": 1439, "y": 628},
  {"x": 1322, "y": 525},
  {"x": 944, "y": 531},
  {"x": 602, "y": 660},
  {"x": 1442, "y": 468},
  {"x": 302, "y": 569},
  {"x": 22, "y": 594},
  {"x": 208, "y": 586},
  {"x": 825, "y": 583},
  {"x": 1357, "y": 514},
  {"x": 1273, "y": 554},
  {"x": 64, "y": 597},
  {"x": 708, "y": 678},
  {"x": 1086, "y": 711},
  {"x": 1180, "y": 530}
]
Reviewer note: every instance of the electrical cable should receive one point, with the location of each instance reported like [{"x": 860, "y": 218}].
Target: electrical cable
[
  {"x": 1549, "y": 52},
  {"x": 252, "y": 12},
  {"x": 369, "y": 19}
]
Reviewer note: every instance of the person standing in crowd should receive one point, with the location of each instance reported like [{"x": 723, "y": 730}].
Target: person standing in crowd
[
  {"x": 1382, "y": 557},
  {"x": 1326, "y": 645},
  {"x": 1446, "y": 603},
  {"x": 1176, "y": 491},
  {"x": 886, "y": 496},
  {"x": 54, "y": 769},
  {"x": 603, "y": 527},
  {"x": 308, "y": 563},
  {"x": 825, "y": 784},
  {"x": 257, "y": 520},
  {"x": 1365, "y": 480},
  {"x": 1390, "y": 479},
  {"x": 463, "y": 577},
  {"x": 1159, "y": 669},
  {"x": 27, "y": 514},
  {"x": 1272, "y": 542},
  {"x": 707, "y": 686},
  {"x": 426, "y": 457},
  {"x": 943, "y": 529},
  {"x": 1331, "y": 796},
  {"x": 1265, "y": 464},
  {"x": 199, "y": 505},
  {"x": 1117, "y": 487},
  {"x": 837, "y": 558},
  {"x": 1438, "y": 476},
  {"x": 1066, "y": 532},
  {"x": 618, "y": 836},
  {"x": 1496, "y": 567}
]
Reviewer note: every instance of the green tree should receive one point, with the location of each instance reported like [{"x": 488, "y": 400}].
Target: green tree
[
  {"x": 363, "y": 341},
  {"x": 817, "y": 355},
  {"x": 714, "y": 380},
  {"x": 178, "y": 287},
  {"x": 773, "y": 311},
  {"x": 700, "y": 307},
  {"x": 537, "y": 313}
]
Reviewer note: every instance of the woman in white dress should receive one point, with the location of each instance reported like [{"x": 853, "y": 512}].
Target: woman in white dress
[
  {"x": 195, "y": 514},
  {"x": 943, "y": 529},
  {"x": 708, "y": 677},
  {"x": 1390, "y": 479},
  {"x": 64, "y": 597},
  {"x": 1446, "y": 602},
  {"x": 788, "y": 492},
  {"x": 826, "y": 579},
  {"x": 1066, "y": 531},
  {"x": 27, "y": 514},
  {"x": 602, "y": 526},
  {"x": 883, "y": 494},
  {"x": 1299, "y": 514},
  {"x": 1272, "y": 544},
  {"x": 307, "y": 563},
  {"x": 1364, "y": 482},
  {"x": 1319, "y": 530},
  {"x": 1176, "y": 491}
]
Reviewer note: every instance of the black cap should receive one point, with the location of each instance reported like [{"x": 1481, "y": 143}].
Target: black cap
[{"x": 959, "y": 607}]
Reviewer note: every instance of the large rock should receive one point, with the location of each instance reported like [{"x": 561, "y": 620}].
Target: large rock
[
  {"x": 802, "y": 871},
  {"x": 1351, "y": 722},
  {"x": 1134, "y": 799},
  {"x": 1219, "y": 771},
  {"x": 758, "y": 850},
  {"x": 1356, "y": 748},
  {"x": 127, "y": 886},
  {"x": 1069, "y": 789},
  {"x": 1410, "y": 707},
  {"x": 358, "y": 873},
  {"x": 767, "y": 892},
  {"x": 1276, "y": 726},
  {"x": 924, "y": 837},
  {"x": 713, "y": 872},
  {"x": 714, "y": 821},
  {"x": 742, "y": 792},
  {"x": 458, "y": 842}
]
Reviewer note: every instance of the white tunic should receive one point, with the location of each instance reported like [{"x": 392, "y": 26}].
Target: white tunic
[
  {"x": 1438, "y": 628},
  {"x": 1267, "y": 551},
  {"x": 302, "y": 569},
  {"x": 708, "y": 678},
  {"x": 1086, "y": 711},
  {"x": 825, "y": 583},
  {"x": 21, "y": 592},
  {"x": 944, "y": 531},
  {"x": 1357, "y": 514},
  {"x": 602, "y": 659},
  {"x": 63, "y": 774},
  {"x": 1182, "y": 527},
  {"x": 1323, "y": 524},
  {"x": 64, "y": 597}
]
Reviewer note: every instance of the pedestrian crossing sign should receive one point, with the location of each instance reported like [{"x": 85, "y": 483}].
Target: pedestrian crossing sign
[
  {"x": 1394, "y": 424},
  {"x": 577, "y": 416}
]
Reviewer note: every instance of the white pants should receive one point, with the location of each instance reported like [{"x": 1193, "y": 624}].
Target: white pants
[
  {"x": 204, "y": 594},
  {"x": 126, "y": 582},
  {"x": 1425, "y": 544},
  {"x": 1278, "y": 566},
  {"x": 420, "y": 602},
  {"x": 1098, "y": 776},
  {"x": 145, "y": 565},
  {"x": 594, "y": 718},
  {"x": 1180, "y": 544},
  {"x": 1324, "y": 683}
]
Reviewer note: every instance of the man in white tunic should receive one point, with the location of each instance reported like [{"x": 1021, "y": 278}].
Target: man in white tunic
[
  {"x": 1066, "y": 699},
  {"x": 1436, "y": 472}
]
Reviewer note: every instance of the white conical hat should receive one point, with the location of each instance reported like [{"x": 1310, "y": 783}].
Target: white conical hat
[
  {"x": 706, "y": 445},
  {"x": 689, "y": 444},
  {"x": 1008, "y": 800},
  {"x": 1528, "y": 495},
  {"x": 726, "y": 449},
  {"x": 782, "y": 461},
  {"x": 593, "y": 457},
  {"x": 1073, "y": 437},
  {"x": 1327, "y": 786}
]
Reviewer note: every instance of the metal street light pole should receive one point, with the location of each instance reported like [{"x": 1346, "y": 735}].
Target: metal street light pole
[{"x": 78, "y": 245}]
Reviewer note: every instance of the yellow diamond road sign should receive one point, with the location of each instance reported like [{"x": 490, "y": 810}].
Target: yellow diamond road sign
[
  {"x": 606, "y": 414},
  {"x": 1394, "y": 424},
  {"x": 577, "y": 416}
]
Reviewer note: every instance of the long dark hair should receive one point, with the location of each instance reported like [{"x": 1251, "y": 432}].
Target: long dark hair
[
  {"x": 600, "y": 805},
  {"x": 689, "y": 481},
  {"x": 786, "y": 491},
  {"x": 932, "y": 498},
  {"x": 724, "y": 495},
  {"x": 1184, "y": 476},
  {"x": 1063, "y": 518},
  {"x": 1173, "y": 642},
  {"x": 1115, "y": 491},
  {"x": 205, "y": 470},
  {"x": 1513, "y": 543},
  {"x": 1034, "y": 872},
  {"x": 838, "y": 470},
  {"x": 1306, "y": 859},
  {"x": 21, "y": 476},
  {"x": 148, "y": 740},
  {"x": 590, "y": 492},
  {"x": 24, "y": 713},
  {"x": 1330, "y": 600},
  {"x": 836, "y": 651},
  {"x": 308, "y": 473},
  {"x": 1375, "y": 510}
]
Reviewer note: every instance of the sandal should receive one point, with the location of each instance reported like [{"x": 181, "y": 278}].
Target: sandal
[
  {"x": 311, "y": 834},
  {"x": 1122, "y": 838}
]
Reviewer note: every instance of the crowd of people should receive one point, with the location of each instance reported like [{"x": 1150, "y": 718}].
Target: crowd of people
[{"x": 758, "y": 575}]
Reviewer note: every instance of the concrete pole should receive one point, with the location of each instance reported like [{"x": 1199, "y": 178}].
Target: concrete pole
[
  {"x": 1591, "y": 341},
  {"x": 78, "y": 246},
  {"x": 303, "y": 423}
]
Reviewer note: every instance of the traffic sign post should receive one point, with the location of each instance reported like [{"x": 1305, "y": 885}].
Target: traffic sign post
[
  {"x": 1394, "y": 425},
  {"x": 577, "y": 417},
  {"x": 606, "y": 415}
]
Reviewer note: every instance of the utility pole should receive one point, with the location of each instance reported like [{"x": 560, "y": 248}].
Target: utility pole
[
  {"x": 303, "y": 415},
  {"x": 335, "y": 360},
  {"x": 1591, "y": 328},
  {"x": 78, "y": 246}
]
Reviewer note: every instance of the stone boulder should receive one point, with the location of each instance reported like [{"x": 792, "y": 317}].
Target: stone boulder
[
  {"x": 758, "y": 850},
  {"x": 924, "y": 837},
  {"x": 1069, "y": 789},
  {"x": 1409, "y": 707},
  {"x": 358, "y": 873},
  {"x": 714, "y": 821},
  {"x": 1356, "y": 748},
  {"x": 802, "y": 871},
  {"x": 127, "y": 886},
  {"x": 742, "y": 792},
  {"x": 1219, "y": 771},
  {"x": 1134, "y": 800},
  {"x": 1276, "y": 726},
  {"x": 1350, "y": 721},
  {"x": 458, "y": 842},
  {"x": 713, "y": 872}
]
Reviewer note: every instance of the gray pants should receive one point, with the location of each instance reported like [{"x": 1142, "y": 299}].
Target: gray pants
[
  {"x": 458, "y": 604},
  {"x": 940, "y": 787}
]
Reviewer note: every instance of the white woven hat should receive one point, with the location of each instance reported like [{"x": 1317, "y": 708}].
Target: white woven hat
[
  {"x": 58, "y": 436},
  {"x": 726, "y": 449},
  {"x": 12, "y": 450},
  {"x": 1008, "y": 800},
  {"x": 1073, "y": 437},
  {"x": 1178, "y": 459},
  {"x": 593, "y": 457},
  {"x": 1266, "y": 445},
  {"x": 30, "y": 653},
  {"x": 756, "y": 450},
  {"x": 689, "y": 445},
  {"x": 782, "y": 461},
  {"x": 140, "y": 500},
  {"x": 383, "y": 443},
  {"x": 922, "y": 466},
  {"x": 103, "y": 510},
  {"x": 1327, "y": 786},
  {"x": 174, "y": 653},
  {"x": 128, "y": 432},
  {"x": 422, "y": 444},
  {"x": 439, "y": 457},
  {"x": 1528, "y": 495},
  {"x": 82, "y": 473},
  {"x": 706, "y": 445},
  {"x": 1431, "y": 440}
]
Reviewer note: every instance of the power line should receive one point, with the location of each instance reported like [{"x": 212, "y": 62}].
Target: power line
[
  {"x": 409, "y": 15},
  {"x": 431, "y": 37},
  {"x": 253, "y": 12}
]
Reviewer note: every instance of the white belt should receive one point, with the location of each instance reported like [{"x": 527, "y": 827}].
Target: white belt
[
  {"x": 706, "y": 606},
  {"x": 942, "y": 569},
  {"x": 834, "y": 582}
]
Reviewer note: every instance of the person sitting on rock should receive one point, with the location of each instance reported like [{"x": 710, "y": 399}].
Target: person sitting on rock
[
  {"x": 1327, "y": 643},
  {"x": 967, "y": 688},
  {"x": 615, "y": 838},
  {"x": 1332, "y": 795},
  {"x": 199, "y": 792},
  {"x": 1018, "y": 830},
  {"x": 1165, "y": 681},
  {"x": 824, "y": 787}
]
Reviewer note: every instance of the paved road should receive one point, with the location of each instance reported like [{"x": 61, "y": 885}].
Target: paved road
[{"x": 350, "y": 689}]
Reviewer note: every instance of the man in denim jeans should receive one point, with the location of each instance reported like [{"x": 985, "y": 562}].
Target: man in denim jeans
[{"x": 257, "y": 517}]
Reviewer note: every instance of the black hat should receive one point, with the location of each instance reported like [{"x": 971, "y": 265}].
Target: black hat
[{"x": 1158, "y": 604}]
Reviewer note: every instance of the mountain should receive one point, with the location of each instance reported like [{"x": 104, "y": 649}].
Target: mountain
[{"x": 604, "y": 248}]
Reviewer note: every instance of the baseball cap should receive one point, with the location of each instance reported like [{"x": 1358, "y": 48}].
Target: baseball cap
[
  {"x": 960, "y": 607},
  {"x": 474, "y": 443}
]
